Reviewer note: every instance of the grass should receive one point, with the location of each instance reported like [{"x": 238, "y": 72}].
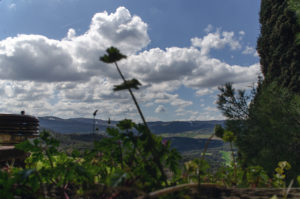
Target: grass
[{"x": 199, "y": 134}]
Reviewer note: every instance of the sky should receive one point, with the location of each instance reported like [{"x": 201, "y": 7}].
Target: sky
[{"x": 181, "y": 52}]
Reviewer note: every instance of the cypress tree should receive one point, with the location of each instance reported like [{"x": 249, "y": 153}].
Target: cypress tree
[
  {"x": 277, "y": 46},
  {"x": 268, "y": 128}
]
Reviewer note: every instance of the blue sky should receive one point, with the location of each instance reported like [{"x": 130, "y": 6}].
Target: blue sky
[{"x": 181, "y": 52}]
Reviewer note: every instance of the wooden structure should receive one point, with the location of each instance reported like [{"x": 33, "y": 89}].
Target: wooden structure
[{"x": 15, "y": 129}]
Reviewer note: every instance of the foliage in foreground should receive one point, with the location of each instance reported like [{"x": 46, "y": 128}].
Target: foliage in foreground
[
  {"x": 119, "y": 166},
  {"x": 122, "y": 159}
]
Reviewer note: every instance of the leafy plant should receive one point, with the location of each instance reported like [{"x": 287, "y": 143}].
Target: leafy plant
[
  {"x": 257, "y": 177},
  {"x": 228, "y": 136},
  {"x": 280, "y": 176},
  {"x": 113, "y": 56},
  {"x": 128, "y": 149},
  {"x": 196, "y": 171},
  {"x": 123, "y": 159}
]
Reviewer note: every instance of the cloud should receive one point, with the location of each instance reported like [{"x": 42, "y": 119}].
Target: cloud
[
  {"x": 12, "y": 6},
  {"x": 74, "y": 58},
  {"x": 222, "y": 73},
  {"x": 160, "y": 109},
  {"x": 208, "y": 28},
  {"x": 174, "y": 66},
  {"x": 65, "y": 78},
  {"x": 204, "y": 91},
  {"x": 217, "y": 40},
  {"x": 242, "y": 33},
  {"x": 249, "y": 50},
  {"x": 166, "y": 98},
  {"x": 37, "y": 58}
]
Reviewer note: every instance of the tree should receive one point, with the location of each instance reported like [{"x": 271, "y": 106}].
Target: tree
[
  {"x": 270, "y": 132},
  {"x": 274, "y": 128},
  {"x": 277, "y": 47},
  {"x": 266, "y": 121}
]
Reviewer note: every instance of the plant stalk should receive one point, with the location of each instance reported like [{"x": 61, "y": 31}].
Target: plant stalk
[
  {"x": 133, "y": 98},
  {"x": 146, "y": 125},
  {"x": 234, "y": 163}
]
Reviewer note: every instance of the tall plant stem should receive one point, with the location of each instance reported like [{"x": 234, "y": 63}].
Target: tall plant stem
[
  {"x": 203, "y": 155},
  {"x": 154, "y": 153},
  {"x": 234, "y": 163},
  {"x": 206, "y": 146},
  {"x": 133, "y": 98}
]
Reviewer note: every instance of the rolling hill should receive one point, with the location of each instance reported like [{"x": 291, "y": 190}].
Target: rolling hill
[{"x": 85, "y": 125}]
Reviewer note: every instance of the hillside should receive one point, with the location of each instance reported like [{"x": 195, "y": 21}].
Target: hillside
[
  {"x": 85, "y": 125},
  {"x": 188, "y": 137}
]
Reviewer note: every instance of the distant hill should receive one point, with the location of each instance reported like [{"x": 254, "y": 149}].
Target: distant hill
[
  {"x": 85, "y": 125},
  {"x": 183, "y": 144},
  {"x": 182, "y": 126}
]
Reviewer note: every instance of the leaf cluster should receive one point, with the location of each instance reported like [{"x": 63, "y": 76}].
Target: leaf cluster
[
  {"x": 232, "y": 103},
  {"x": 113, "y": 55},
  {"x": 128, "y": 148},
  {"x": 128, "y": 84}
]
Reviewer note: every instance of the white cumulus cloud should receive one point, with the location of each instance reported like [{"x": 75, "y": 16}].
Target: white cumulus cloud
[
  {"x": 65, "y": 78},
  {"x": 74, "y": 58},
  {"x": 249, "y": 50},
  {"x": 216, "y": 40},
  {"x": 160, "y": 109}
]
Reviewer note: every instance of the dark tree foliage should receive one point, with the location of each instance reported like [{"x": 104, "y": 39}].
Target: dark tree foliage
[
  {"x": 270, "y": 132},
  {"x": 266, "y": 122},
  {"x": 233, "y": 106},
  {"x": 277, "y": 46},
  {"x": 273, "y": 129},
  {"x": 219, "y": 131}
]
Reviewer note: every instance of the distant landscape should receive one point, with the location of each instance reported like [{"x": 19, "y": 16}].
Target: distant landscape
[
  {"x": 188, "y": 137},
  {"x": 85, "y": 125}
]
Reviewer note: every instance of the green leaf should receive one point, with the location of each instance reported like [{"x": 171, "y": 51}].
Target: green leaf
[
  {"x": 228, "y": 136},
  {"x": 125, "y": 124},
  {"x": 26, "y": 173},
  {"x": 284, "y": 165},
  {"x": 134, "y": 83},
  {"x": 113, "y": 55},
  {"x": 226, "y": 156},
  {"x": 219, "y": 131}
]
